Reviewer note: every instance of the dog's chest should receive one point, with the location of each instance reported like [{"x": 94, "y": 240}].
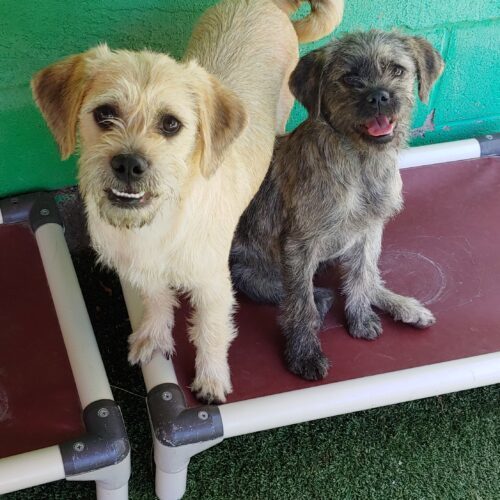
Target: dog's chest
[
  {"x": 371, "y": 194},
  {"x": 379, "y": 195},
  {"x": 145, "y": 257}
]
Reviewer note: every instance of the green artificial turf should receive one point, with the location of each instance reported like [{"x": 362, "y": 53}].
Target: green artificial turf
[{"x": 439, "y": 448}]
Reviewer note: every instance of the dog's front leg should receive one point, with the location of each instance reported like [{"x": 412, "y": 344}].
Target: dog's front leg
[
  {"x": 405, "y": 309},
  {"x": 155, "y": 330},
  {"x": 364, "y": 287},
  {"x": 211, "y": 332},
  {"x": 401, "y": 308},
  {"x": 360, "y": 280},
  {"x": 300, "y": 319}
]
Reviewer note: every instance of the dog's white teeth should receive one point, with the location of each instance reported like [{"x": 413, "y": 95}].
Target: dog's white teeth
[{"x": 134, "y": 196}]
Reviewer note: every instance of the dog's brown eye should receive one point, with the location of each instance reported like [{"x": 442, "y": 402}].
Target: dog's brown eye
[
  {"x": 353, "y": 81},
  {"x": 104, "y": 115},
  {"x": 170, "y": 125},
  {"x": 398, "y": 71}
]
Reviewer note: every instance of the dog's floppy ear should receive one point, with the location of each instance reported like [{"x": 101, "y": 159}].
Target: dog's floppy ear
[
  {"x": 429, "y": 65},
  {"x": 222, "y": 118},
  {"x": 306, "y": 81},
  {"x": 59, "y": 91}
]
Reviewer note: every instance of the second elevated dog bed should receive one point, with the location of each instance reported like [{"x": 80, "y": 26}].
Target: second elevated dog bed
[
  {"x": 58, "y": 418},
  {"x": 442, "y": 249}
]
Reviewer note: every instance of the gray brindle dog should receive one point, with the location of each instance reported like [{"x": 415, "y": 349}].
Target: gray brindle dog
[{"x": 332, "y": 185}]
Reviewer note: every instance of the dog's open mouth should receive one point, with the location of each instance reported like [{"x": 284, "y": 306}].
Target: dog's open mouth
[
  {"x": 128, "y": 199},
  {"x": 379, "y": 127}
]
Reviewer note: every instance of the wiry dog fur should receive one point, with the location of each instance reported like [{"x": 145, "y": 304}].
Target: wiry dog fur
[
  {"x": 331, "y": 187},
  {"x": 171, "y": 155}
]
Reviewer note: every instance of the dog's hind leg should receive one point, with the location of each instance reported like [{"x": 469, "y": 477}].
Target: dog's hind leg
[
  {"x": 323, "y": 298},
  {"x": 258, "y": 278},
  {"x": 262, "y": 281}
]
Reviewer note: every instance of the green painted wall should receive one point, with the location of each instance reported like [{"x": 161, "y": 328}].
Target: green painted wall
[{"x": 34, "y": 33}]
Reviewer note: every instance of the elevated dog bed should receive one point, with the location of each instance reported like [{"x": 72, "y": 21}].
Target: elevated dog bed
[
  {"x": 443, "y": 249},
  {"x": 57, "y": 414}
]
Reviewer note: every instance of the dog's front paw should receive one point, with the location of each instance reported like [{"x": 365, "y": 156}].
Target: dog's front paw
[
  {"x": 313, "y": 366},
  {"x": 210, "y": 388},
  {"x": 144, "y": 342},
  {"x": 365, "y": 326},
  {"x": 412, "y": 312}
]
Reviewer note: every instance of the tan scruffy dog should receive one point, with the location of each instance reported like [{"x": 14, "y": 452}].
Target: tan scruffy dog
[{"x": 171, "y": 155}]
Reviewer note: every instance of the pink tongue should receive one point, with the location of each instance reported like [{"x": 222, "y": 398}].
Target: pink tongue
[{"x": 380, "y": 125}]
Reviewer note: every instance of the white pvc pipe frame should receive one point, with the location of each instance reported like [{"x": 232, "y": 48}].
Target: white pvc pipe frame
[
  {"x": 466, "y": 149},
  {"x": 328, "y": 400},
  {"x": 46, "y": 465}
]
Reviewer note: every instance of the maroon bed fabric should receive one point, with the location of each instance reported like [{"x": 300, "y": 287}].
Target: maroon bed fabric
[
  {"x": 39, "y": 404},
  {"x": 443, "y": 249}
]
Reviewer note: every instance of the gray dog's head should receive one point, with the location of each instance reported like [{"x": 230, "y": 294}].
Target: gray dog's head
[{"x": 363, "y": 83}]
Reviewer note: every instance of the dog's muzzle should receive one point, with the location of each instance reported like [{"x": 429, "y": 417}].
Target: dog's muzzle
[{"x": 129, "y": 169}]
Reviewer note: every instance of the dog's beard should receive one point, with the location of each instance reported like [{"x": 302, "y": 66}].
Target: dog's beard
[{"x": 126, "y": 218}]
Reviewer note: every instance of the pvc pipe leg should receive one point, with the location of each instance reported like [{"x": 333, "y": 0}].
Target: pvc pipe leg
[
  {"x": 171, "y": 486},
  {"x": 104, "y": 493}
]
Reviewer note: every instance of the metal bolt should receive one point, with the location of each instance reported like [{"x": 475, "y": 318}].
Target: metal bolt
[
  {"x": 79, "y": 446},
  {"x": 489, "y": 137},
  {"x": 202, "y": 415},
  {"x": 45, "y": 212},
  {"x": 166, "y": 396},
  {"x": 103, "y": 412}
]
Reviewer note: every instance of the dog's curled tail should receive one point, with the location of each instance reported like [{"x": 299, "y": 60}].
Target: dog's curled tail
[{"x": 325, "y": 16}]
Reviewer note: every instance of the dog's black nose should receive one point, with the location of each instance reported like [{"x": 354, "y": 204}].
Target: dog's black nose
[
  {"x": 378, "y": 98},
  {"x": 129, "y": 168}
]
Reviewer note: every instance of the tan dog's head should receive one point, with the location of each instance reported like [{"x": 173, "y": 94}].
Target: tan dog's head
[
  {"x": 363, "y": 83},
  {"x": 147, "y": 124}
]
